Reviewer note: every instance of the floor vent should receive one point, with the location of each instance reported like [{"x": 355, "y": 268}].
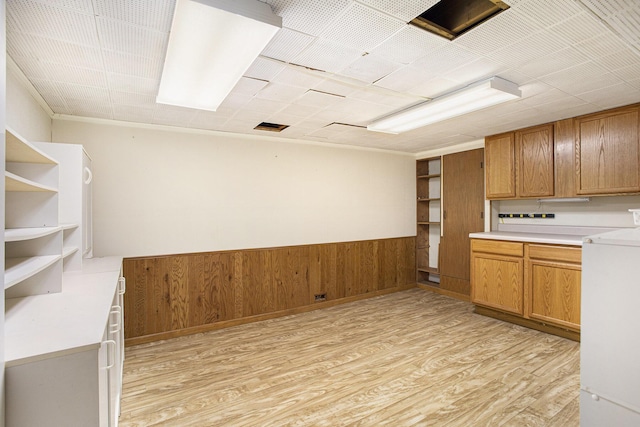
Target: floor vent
[{"x": 451, "y": 18}]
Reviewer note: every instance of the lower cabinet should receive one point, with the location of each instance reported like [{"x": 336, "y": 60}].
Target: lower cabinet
[
  {"x": 537, "y": 283},
  {"x": 553, "y": 275},
  {"x": 497, "y": 273},
  {"x": 65, "y": 367}
]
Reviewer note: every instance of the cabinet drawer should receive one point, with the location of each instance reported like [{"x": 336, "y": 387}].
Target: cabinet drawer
[
  {"x": 497, "y": 247},
  {"x": 556, "y": 253}
]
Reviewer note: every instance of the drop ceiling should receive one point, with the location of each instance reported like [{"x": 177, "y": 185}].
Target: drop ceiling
[{"x": 337, "y": 65}]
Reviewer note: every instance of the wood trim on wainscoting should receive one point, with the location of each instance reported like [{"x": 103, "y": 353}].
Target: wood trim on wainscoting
[{"x": 173, "y": 295}]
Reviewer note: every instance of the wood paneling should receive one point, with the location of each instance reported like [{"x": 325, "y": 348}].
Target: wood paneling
[
  {"x": 534, "y": 161},
  {"x": 169, "y": 294},
  {"x": 500, "y": 166},
  {"x": 608, "y": 152}
]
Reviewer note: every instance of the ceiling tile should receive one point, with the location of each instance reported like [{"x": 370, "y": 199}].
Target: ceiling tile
[
  {"x": 336, "y": 87},
  {"x": 129, "y": 113},
  {"x": 548, "y": 12},
  {"x": 327, "y": 55},
  {"x": 405, "y": 78},
  {"x": 612, "y": 96},
  {"x": 156, "y": 14},
  {"x": 287, "y": 44},
  {"x": 173, "y": 116},
  {"x": 435, "y": 87},
  {"x": 128, "y": 83},
  {"x": 136, "y": 40},
  {"x": 581, "y": 78},
  {"x": 535, "y": 47},
  {"x": 553, "y": 62},
  {"x": 505, "y": 29},
  {"x": 579, "y": 28},
  {"x": 307, "y": 16},
  {"x": 264, "y": 68},
  {"x": 208, "y": 120},
  {"x": 281, "y": 92},
  {"x": 298, "y": 76},
  {"x": 317, "y": 99},
  {"x": 402, "y": 10},
  {"x": 361, "y": 27},
  {"x": 76, "y": 75},
  {"x": 445, "y": 59},
  {"x": 56, "y": 51},
  {"x": 138, "y": 66},
  {"x": 249, "y": 87},
  {"x": 133, "y": 99},
  {"x": 408, "y": 45},
  {"x": 51, "y": 21},
  {"x": 370, "y": 68}
]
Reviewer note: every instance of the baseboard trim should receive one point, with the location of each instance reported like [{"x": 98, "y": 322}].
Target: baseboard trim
[{"x": 528, "y": 323}]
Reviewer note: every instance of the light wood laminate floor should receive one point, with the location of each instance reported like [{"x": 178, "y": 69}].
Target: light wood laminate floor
[{"x": 412, "y": 358}]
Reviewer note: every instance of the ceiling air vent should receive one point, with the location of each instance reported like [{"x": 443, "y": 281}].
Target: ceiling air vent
[
  {"x": 451, "y": 18},
  {"x": 271, "y": 127}
]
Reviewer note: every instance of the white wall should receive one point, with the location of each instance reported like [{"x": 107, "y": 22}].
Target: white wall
[
  {"x": 164, "y": 191},
  {"x": 24, "y": 114},
  {"x": 608, "y": 211}
]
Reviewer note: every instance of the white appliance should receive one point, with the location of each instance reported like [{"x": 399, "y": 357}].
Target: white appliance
[{"x": 610, "y": 330}]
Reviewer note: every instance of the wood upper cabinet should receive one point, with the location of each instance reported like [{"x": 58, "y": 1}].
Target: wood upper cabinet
[
  {"x": 608, "y": 152},
  {"x": 534, "y": 161},
  {"x": 552, "y": 279},
  {"x": 520, "y": 164},
  {"x": 497, "y": 275},
  {"x": 500, "y": 166}
]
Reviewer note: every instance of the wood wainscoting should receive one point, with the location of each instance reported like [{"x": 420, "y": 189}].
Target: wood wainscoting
[{"x": 174, "y": 295}]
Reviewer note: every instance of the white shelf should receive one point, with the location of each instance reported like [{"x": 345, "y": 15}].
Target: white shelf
[
  {"x": 21, "y": 234},
  {"x": 69, "y": 226},
  {"x": 70, "y": 250},
  {"x": 14, "y": 182},
  {"x": 20, "y": 269},
  {"x": 20, "y": 151}
]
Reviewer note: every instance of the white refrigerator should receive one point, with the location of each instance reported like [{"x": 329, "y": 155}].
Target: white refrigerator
[{"x": 610, "y": 330}]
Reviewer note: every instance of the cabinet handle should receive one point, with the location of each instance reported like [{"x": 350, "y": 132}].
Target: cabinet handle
[
  {"x": 115, "y": 328},
  {"x": 588, "y": 240},
  {"x": 123, "y": 285},
  {"x": 89, "y": 177},
  {"x": 112, "y": 344}
]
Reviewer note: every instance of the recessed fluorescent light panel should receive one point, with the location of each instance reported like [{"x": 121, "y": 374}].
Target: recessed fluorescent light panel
[
  {"x": 471, "y": 98},
  {"x": 211, "y": 45}
]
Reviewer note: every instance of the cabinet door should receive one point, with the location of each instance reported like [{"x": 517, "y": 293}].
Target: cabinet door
[
  {"x": 463, "y": 209},
  {"x": 497, "y": 282},
  {"x": 553, "y": 276},
  {"x": 534, "y": 161},
  {"x": 554, "y": 295},
  {"x": 500, "y": 166},
  {"x": 607, "y": 152}
]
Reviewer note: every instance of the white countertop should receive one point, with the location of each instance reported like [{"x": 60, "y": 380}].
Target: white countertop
[
  {"x": 554, "y": 239},
  {"x": 43, "y": 326}
]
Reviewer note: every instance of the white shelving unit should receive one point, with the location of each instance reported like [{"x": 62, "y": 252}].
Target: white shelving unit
[
  {"x": 33, "y": 238},
  {"x": 63, "y": 329},
  {"x": 74, "y": 200}
]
